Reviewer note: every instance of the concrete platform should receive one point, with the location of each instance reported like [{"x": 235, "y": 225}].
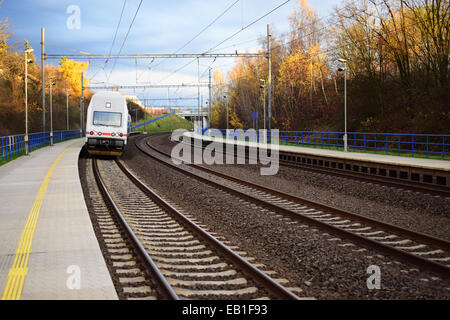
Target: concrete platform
[
  {"x": 420, "y": 163},
  {"x": 47, "y": 244}
]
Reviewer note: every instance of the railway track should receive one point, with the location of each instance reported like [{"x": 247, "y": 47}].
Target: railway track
[
  {"x": 435, "y": 190},
  {"x": 182, "y": 259},
  {"x": 130, "y": 278},
  {"x": 409, "y": 246}
]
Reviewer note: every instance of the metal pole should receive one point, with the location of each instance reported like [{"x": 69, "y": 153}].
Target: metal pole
[
  {"x": 145, "y": 117},
  {"x": 345, "y": 94},
  {"x": 170, "y": 109},
  {"x": 264, "y": 104},
  {"x": 81, "y": 119},
  {"x": 201, "y": 112},
  {"x": 311, "y": 90},
  {"x": 269, "y": 58},
  {"x": 82, "y": 105},
  {"x": 26, "y": 103},
  {"x": 228, "y": 112},
  {"x": 198, "y": 109},
  {"x": 210, "y": 100},
  {"x": 51, "y": 112},
  {"x": 43, "y": 76},
  {"x": 67, "y": 110}
]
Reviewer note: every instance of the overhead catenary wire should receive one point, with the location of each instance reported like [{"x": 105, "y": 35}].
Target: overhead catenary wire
[
  {"x": 249, "y": 25},
  {"x": 228, "y": 38},
  {"x": 208, "y": 26},
  {"x": 328, "y": 25},
  {"x": 330, "y": 49},
  {"x": 114, "y": 41},
  {"x": 126, "y": 37},
  {"x": 198, "y": 34}
]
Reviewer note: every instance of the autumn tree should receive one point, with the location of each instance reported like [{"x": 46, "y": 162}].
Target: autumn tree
[
  {"x": 71, "y": 71},
  {"x": 4, "y": 35}
]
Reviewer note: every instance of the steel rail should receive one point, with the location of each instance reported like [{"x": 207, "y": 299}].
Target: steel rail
[
  {"x": 380, "y": 180},
  {"x": 399, "y": 254},
  {"x": 165, "y": 288},
  {"x": 425, "y": 238},
  {"x": 412, "y": 186},
  {"x": 267, "y": 282}
]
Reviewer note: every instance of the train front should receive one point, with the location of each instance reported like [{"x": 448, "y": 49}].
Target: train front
[{"x": 107, "y": 124}]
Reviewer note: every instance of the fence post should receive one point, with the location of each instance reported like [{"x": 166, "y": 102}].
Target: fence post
[
  {"x": 443, "y": 147},
  {"x": 375, "y": 143},
  {"x": 365, "y": 149},
  {"x": 387, "y": 144},
  {"x": 427, "y": 148},
  {"x": 13, "y": 143},
  {"x": 412, "y": 139},
  {"x": 399, "y": 144}
]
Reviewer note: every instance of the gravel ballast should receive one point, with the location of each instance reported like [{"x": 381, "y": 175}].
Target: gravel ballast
[
  {"x": 416, "y": 211},
  {"x": 322, "y": 265}
]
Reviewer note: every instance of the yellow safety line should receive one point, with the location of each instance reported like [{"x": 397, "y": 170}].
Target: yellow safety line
[{"x": 18, "y": 271}]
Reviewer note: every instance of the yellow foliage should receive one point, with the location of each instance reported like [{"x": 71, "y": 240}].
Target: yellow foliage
[
  {"x": 301, "y": 68},
  {"x": 71, "y": 72},
  {"x": 219, "y": 78},
  {"x": 234, "y": 121},
  {"x": 294, "y": 70}
]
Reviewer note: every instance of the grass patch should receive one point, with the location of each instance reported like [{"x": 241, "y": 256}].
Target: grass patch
[{"x": 167, "y": 124}]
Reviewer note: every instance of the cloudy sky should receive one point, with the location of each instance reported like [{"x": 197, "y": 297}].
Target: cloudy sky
[{"x": 160, "y": 27}]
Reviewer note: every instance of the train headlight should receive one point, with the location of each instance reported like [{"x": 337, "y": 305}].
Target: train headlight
[
  {"x": 99, "y": 133},
  {"x": 91, "y": 133},
  {"x": 113, "y": 134},
  {"x": 121, "y": 135}
]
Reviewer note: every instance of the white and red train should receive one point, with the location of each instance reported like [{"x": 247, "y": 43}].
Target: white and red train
[{"x": 107, "y": 124}]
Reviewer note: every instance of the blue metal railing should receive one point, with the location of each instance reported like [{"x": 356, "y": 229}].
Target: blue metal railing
[
  {"x": 422, "y": 145},
  {"x": 13, "y": 146}
]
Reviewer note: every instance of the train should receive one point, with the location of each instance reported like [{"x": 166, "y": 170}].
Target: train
[{"x": 108, "y": 124}]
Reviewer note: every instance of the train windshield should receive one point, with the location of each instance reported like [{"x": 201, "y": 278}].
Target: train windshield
[{"x": 110, "y": 119}]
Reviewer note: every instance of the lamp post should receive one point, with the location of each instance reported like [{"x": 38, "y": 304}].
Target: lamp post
[
  {"x": 27, "y": 61},
  {"x": 209, "y": 115},
  {"x": 67, "y": 108},
  {"x": 345, "y": 103},
  {"x": 145, "y": 119},
  {"x": 228, "y": 105},
  {"x": 52, "y": 83},
  {"x": 264, "y": 107}
]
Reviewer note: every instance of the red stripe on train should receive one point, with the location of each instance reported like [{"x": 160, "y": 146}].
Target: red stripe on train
[{"x": 104, "y": 134}]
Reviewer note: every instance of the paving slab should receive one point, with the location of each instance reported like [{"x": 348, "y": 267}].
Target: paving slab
[
  {"x": 65, "y": 261},
  {"x": 422, "y": 163}
]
